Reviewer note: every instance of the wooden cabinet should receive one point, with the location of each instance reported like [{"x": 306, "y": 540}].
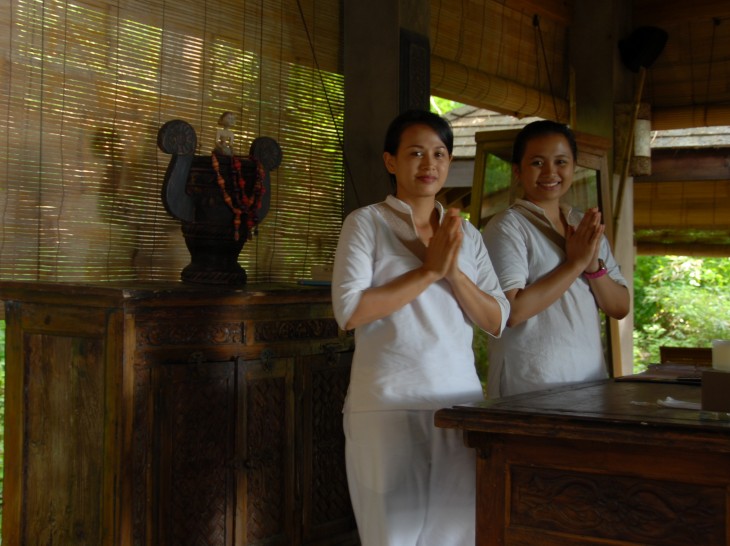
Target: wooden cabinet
[{"x": 167, "y": 414}]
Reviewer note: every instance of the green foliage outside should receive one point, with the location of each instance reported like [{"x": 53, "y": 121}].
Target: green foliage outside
[
  {"x": 680, "y": 302},
  {"x": 443, "y": 106}
]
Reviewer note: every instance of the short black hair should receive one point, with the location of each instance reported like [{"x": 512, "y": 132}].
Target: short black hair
[
  {"x": 417, "y": 117},
  {"x": 538, "y": 129}
]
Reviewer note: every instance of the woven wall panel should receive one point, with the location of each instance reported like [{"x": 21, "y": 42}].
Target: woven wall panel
[{"x": 87, "y": 84}]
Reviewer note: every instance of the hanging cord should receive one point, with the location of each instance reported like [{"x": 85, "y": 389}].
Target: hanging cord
[
  {"x": 203, "y": 63},
  {"x": 715, "y": 24},
  {"x": 160, "y": 79},
  {"x": 62, "y": 201},
  {"x": 9, "y": 76},
  {"x": 329, "y": 103},
  {"x": 539, "y": 38},
  {"x": 112, "y": 173}
]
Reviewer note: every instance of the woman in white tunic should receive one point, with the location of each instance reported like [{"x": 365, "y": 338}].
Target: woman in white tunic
[
  {"x": 412, "y": 280},
  {"x": 556, "y": 268}
]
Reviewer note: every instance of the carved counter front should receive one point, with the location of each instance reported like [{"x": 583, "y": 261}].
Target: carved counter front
[{"x": 598, "y": 463}]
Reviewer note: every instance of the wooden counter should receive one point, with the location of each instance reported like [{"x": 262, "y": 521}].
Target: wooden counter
[
  {"x": 598, "y": 463},
  {"x": 165, "y": 414}
]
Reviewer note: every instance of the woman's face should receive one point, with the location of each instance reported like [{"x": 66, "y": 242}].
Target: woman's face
[
  {"x": 420, "y": 165},
  {"x": 546, "y": 169}
]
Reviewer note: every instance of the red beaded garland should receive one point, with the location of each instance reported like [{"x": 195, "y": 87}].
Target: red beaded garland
[{"x": 246, "y": 204}]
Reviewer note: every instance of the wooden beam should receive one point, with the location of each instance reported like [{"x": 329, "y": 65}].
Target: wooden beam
[
  {"x": 669, "y": 12},
  {"x": 560, "y": 11},
  {"x": 688, "y": 164},
  {"x": 682, "y": 249}
]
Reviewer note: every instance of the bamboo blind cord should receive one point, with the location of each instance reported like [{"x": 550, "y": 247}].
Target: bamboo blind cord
[
  {"x": 540, "y": 40},
  {"x": 715, "y": 24},
  {"x": 113, "y": 159},
  {"x": 59, "y": 215},
  {"x": 40, "y": 140},
  {"x": 204, "y": 64},
  {"x": 328, "y": 101},
  {"x": 5, "y": 135},
  {"x": 276, "y": 217}
]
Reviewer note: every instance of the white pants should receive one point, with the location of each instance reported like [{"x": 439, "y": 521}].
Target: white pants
[{"x": 411, "y": 483}]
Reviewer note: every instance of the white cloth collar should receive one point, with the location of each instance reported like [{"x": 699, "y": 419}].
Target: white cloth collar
[
  {"x": 402, "y": 206},
  {"x": 566, "y": 209}
]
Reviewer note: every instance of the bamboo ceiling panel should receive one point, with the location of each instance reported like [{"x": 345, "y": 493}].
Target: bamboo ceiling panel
[
  {"x": 689, "y": 83},
  {"x": 509, "y": 56}
]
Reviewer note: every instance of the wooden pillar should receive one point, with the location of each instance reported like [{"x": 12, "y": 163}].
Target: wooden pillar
[
  {"x": 385, "y": 52},
  {"x": 601, "y": 81}
]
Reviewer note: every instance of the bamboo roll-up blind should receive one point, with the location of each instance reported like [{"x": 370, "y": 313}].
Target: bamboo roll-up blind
[
  {"x": 681, "y": 205},
  {"x": 508, "y": 56},
  {"x": 681, "y": 117},
  {"x": 86, "y": 84},
  {"x": 505, "y": 96}
]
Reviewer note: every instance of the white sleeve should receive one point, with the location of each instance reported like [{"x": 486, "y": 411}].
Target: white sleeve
[
  {"x": 508, "y": 252},
  {"x": 486, "y": 276},
  {"x": 352, "y": 273}
]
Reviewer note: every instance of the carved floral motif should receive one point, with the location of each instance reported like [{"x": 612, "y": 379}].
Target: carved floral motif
[{"x": 611, "y": 507}]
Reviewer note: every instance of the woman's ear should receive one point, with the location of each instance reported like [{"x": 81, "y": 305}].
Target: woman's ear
[{"x": 389, "y": 161}]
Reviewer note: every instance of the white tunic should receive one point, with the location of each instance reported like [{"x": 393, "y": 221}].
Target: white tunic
[
  {"x": 561, "y": 344},
  {"x": 420, "y": 356}
]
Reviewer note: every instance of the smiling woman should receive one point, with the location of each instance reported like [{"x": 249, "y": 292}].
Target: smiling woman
[
  {"x": 557, "y": 269},
  {"x": 409, "y": 274}
]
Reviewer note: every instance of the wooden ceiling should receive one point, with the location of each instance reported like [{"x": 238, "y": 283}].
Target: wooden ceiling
[
  {"x": 511, "y": 56},
  {"x": 689, "y": 83}
]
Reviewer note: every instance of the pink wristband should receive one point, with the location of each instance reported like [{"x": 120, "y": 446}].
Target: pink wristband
[{"x": 600, "y": 272}]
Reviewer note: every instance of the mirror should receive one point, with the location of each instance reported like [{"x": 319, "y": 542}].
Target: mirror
[{"x": 492, "y": 192}]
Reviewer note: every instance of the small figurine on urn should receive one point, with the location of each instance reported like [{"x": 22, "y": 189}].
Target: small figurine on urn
[
  {"x": 219, "y": 198},
  {"x": 224, "y": 136}
]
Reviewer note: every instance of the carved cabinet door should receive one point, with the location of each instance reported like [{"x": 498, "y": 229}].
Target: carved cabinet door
[
  {"x": 327, "y": 516},
  {"x": 266, "y": 456},
  {"x": 196, "y": 431},
  {"x": 226, "y": 453}
]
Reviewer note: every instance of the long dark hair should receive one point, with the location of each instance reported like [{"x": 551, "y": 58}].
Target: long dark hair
[{"x": 538, "y": 129}]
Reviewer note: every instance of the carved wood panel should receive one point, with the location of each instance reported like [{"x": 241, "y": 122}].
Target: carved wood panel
[
  {"x": 625, "y": 508},
  {"x": 267, "y": 452},
  {"x": 65, "y": 389},
  {"x": 167, "y": 415},
  {"x": 197, "y": 415},
  {"x": 327, "y": 508}
]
